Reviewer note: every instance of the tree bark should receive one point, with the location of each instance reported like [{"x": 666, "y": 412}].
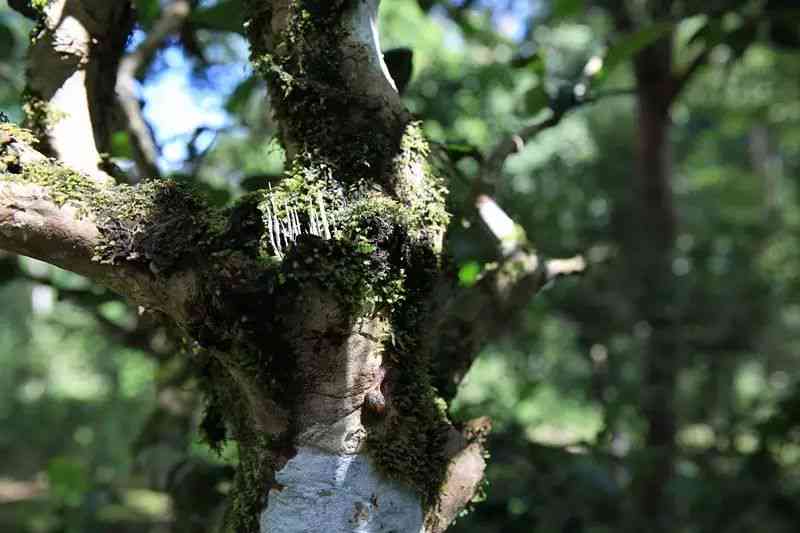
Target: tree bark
[
  {"x": 650, "y": 255},
  {"x": 72, "y": 66}
]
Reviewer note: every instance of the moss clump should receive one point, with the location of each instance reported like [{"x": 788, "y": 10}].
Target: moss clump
[
  {"x": 40, "y": 5},
  {"x": 425, "y": 190},
  {"x": 40, "y": 115},
  {"x": 63, "y": 184},
  {"x": 160, "y": 223},
  {"x": 318, "y": 109},
  {"x": 10, "y": 131},
  {"x": 254, "y": 474},
  {"x": 410, "y": 445}
]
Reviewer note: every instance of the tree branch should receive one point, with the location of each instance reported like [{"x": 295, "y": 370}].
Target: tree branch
[
  {"x": 130, "y": 68},
  {"x": 50, "y": 212},
  {"x": 511, "y": 144},
  {"x": 473, "y": 315},
  {"x": 466, "y": 453},
  {"x": 72, "y": 66},
  {"x": 493, "y": 163}
]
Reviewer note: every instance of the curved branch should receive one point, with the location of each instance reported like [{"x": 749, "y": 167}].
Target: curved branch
[
  {"x": 514, "y": 142},
  {"x": 470, "y": 316},
  {"x": 474, "y": 315}
]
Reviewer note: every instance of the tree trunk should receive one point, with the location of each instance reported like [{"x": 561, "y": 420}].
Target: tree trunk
[{"x": 650, "y": 254}]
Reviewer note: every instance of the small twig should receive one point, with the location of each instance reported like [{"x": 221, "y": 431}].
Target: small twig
[
  {"x": 130, "y": 68},
  {"x": 515, "y": 142},
  {"x": 555, "y": 268},
  {"x": 512, "y": 144}
]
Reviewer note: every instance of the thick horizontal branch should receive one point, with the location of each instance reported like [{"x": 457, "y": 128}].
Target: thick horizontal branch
[{"x": 54, "y": 214}]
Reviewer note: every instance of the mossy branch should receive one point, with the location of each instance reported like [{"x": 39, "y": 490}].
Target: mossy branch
[{"x": 53, "y": 213}]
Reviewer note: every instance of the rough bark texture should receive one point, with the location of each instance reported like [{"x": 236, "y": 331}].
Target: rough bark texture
[{"x": 310, "y": 304}]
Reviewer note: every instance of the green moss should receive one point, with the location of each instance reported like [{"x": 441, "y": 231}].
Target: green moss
[
  {"x": 158, "y": 223},
  {"x": 411, "y": 444},
  {"x": 313, "y": 100},
  {"x": 40, "y": 115},
  {"x": 254, "y": 474},
  {"x": 12, "y": 131},
  {"x": 63, "y": 184},
  {"x": 40, "y": 5},
  {"x": 427, "y": 193}
]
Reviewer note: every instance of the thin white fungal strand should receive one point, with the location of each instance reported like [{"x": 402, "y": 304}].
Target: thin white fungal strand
[
  {"x": 284, "y": 231},
  {"x": 321, "y": 203}
]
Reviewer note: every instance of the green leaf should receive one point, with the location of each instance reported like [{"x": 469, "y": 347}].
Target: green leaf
[
  {"x": 227, "y": 15},
  {"x": 147, "y": 12},
  {"x": 567, "y": 8},
  {"x": 68, "y": 480},
  {"x": 628, "y": 46},
  {"x": 536, "y": 99},
  {"x": 469, "y": 273},
  {"x": 121, "y": 145},
  {"x": 458, "y": 151}
]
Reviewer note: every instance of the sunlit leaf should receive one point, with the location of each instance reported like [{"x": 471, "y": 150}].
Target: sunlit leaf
[
  {"x": 121, "y": 145},
  {"x": 469, "y": 273}
]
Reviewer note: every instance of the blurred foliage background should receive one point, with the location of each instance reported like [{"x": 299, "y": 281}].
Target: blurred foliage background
[{"x": 99, "y": 410}]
